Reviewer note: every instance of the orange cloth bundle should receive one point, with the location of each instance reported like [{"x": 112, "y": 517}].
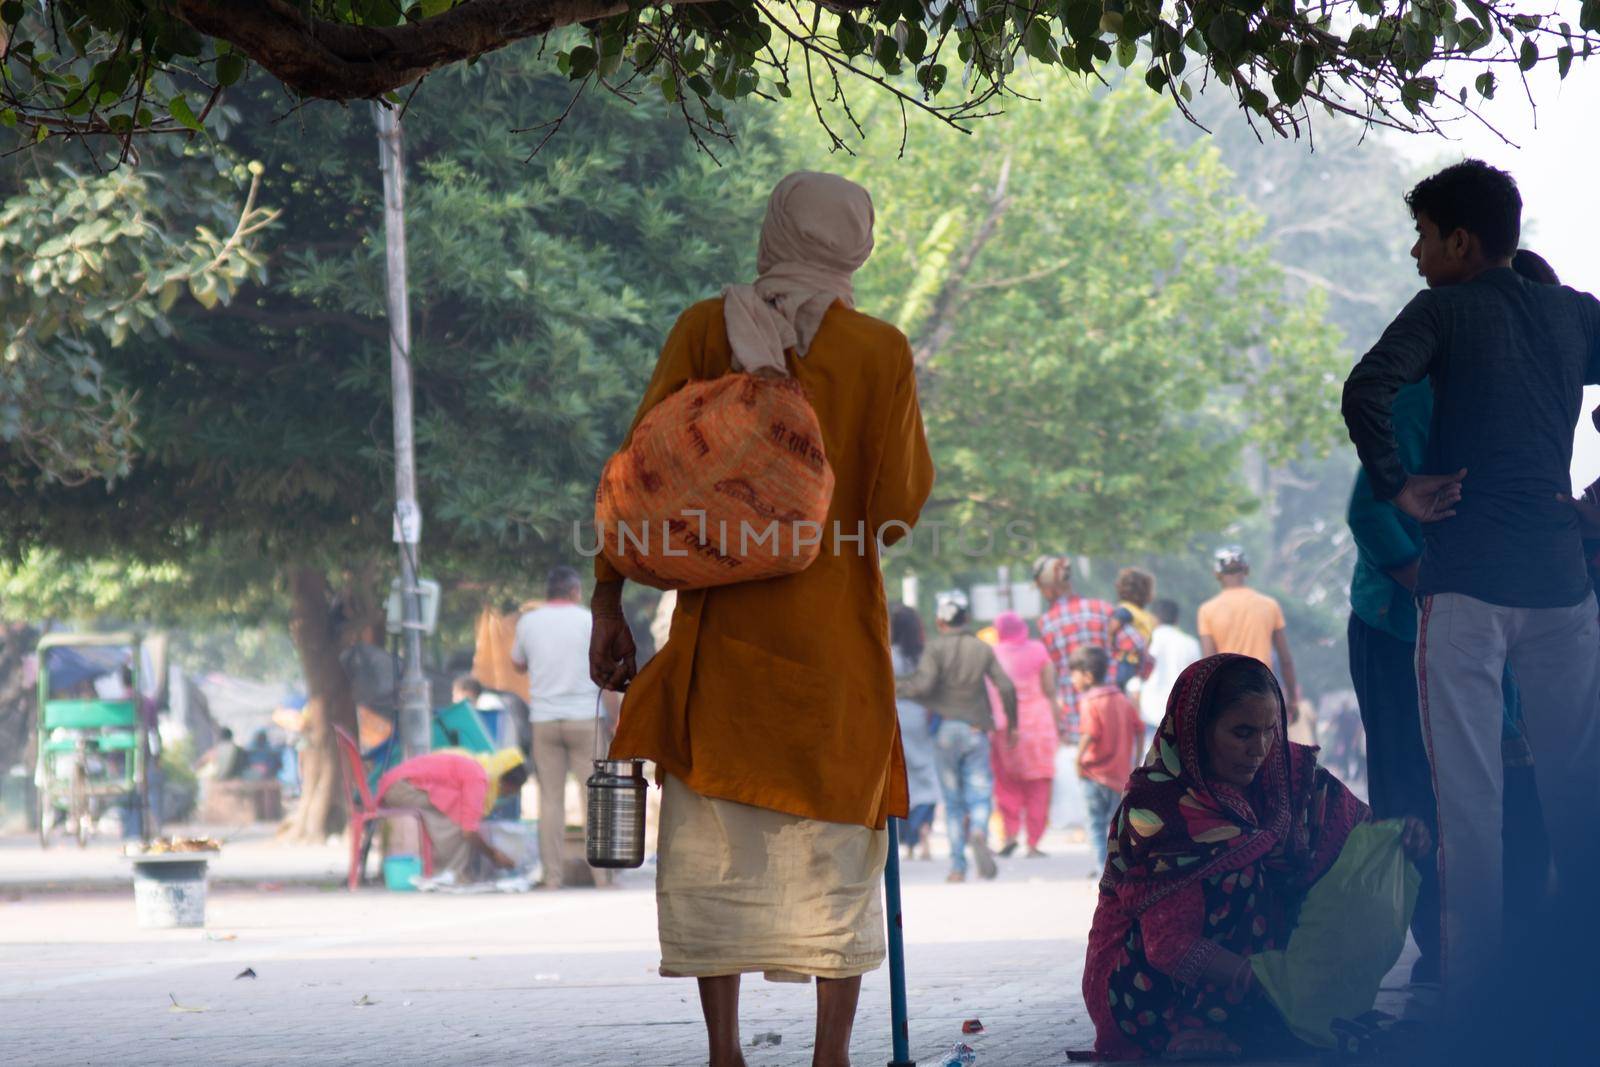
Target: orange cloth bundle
[{"x": 724, "y": 481}]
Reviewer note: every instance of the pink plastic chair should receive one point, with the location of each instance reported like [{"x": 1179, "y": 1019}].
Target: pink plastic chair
[{"x": 365, "y": 811}]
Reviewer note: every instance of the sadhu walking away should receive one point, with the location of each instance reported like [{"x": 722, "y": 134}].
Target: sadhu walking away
[{"x": 770, "y": 713}]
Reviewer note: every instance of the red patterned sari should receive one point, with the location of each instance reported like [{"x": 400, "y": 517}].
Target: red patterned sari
[{"x": 1196, "y": 865}]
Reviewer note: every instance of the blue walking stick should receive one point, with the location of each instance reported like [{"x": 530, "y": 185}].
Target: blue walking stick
[{"x": 897, "y": 955}]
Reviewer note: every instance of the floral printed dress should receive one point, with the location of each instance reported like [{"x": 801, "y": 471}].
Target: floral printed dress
[{"x": 1197, "y": 866}]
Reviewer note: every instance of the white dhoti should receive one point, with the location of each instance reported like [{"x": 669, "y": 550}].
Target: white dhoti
[{"x": 741, "y": 889}]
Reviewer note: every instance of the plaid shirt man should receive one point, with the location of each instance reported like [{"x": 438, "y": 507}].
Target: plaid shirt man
[{"x": 1071, "y": 623}]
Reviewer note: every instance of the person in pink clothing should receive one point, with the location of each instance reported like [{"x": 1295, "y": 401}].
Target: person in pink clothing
[
  {"x": 1024, "y": 773},
  {"x": 454, "y": 792}
]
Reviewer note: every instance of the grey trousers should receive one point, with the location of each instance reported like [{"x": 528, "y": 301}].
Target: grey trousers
[{"x": 1462, "y": 647}]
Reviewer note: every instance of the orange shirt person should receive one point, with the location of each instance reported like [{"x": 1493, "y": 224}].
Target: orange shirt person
[
  {"x": 1240, "y": 619},
  {"x": 770, "y": 712}
]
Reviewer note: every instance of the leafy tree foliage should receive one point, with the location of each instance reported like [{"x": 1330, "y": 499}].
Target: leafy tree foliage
[
  {"x": 122, "y": 67},
  {"x": 540, "y": 292},
  {"x": 94, "y": 260},
  {"x": 1099, "y": 327}
]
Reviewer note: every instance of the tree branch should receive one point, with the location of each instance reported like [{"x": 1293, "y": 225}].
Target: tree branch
[
  {"x": 338, "y": 61},
  {"x": 953, "y": 293}
]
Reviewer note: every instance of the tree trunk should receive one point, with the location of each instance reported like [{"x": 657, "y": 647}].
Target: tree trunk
[
  {"x": 17, "y": 700},
  {"x": 315, "y": 631}
]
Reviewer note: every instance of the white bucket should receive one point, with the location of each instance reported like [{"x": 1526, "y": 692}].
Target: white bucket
[{"x": 170, "y": 892}]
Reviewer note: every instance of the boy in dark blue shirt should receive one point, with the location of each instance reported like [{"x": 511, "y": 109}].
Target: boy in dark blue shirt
[{"x": 1502, "y": 574}]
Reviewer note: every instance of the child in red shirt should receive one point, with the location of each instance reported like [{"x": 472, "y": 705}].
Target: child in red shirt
[{"x": 1110, "y": 730}]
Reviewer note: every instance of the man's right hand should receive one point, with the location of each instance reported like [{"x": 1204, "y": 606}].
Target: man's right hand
[
  {"x": 1430, "y": 497},
  {"x": 611, "y": 652}
]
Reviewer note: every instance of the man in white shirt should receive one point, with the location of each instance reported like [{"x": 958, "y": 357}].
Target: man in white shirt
[
  {"x": 1173, "y": 652},
  {"x": 552, "y": 646}
]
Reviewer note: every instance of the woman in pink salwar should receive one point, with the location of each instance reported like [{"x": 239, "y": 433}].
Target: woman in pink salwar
[{"x": 1024, "y": 773}]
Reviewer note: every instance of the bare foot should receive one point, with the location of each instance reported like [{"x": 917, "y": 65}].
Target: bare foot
[{"x": 956, "y": 876}]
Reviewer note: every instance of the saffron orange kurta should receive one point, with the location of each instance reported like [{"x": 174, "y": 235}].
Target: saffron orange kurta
[{"x": 780, "y": 693}]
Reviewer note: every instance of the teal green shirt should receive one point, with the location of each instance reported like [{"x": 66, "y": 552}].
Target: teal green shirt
[{"x": 1385, "y": 537}]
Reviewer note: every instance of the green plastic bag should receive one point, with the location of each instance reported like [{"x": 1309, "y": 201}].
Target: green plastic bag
[{"x": 1352, "y": 929}]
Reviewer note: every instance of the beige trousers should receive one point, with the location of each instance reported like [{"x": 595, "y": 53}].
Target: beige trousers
[{"x": 559, "y": 749}]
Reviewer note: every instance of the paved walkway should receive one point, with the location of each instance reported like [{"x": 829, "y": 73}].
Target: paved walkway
[
  {"x": 543, "y": 978},
  {"x": 252, "y": 856}
]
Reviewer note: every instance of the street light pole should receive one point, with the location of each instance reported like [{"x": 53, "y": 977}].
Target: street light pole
[{"x": 414, "y": 696}]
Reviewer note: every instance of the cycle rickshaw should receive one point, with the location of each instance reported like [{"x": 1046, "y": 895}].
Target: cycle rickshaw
[{"x": 93, "y": 741}]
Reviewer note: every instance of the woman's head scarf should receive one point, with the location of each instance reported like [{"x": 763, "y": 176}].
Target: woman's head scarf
[
  {"x": 496, "y": 764},
  {"x": 817, "y": 233},
  {"x": 1176, "y": 824},
  {"x": 1010, "y": 627}
]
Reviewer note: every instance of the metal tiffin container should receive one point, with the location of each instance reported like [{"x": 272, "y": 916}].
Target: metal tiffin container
[{"x": 616, "y": 813}]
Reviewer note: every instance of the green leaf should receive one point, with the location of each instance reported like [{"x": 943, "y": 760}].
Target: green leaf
[
  {"x": 1529, "y": 57},
  {"x": 8, "y": 118},
  {"x": 916, "y": 46},
  {"x": 11, "y": 12},
  {"x": 1127, "y": 52},
  {"x": 1288, "y": 90},
  {"x": 1420, "y": 90},
  {"x": 1226, "y": 33},
  {"x": 852, "y": 41},
  {"x": 887, "y": 53},
  {"x": 581, "y": 62},
  {"x": 1082, "y": 19},
  {"x": 1156, "y": 78},
  {"x": 230, "y": 68},
  {"x": 1305, "y": 63},
  {"x": 1037, "y": 43},
  {"x": 179, "y": 107},
  {"x": 1564, "y": 59},
  {"x": 1485, "y": 85}
]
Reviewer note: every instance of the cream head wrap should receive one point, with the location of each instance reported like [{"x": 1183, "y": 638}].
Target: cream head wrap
[{"x": 817, "y": 233}]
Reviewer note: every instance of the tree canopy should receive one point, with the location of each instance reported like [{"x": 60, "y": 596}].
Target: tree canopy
[
  {"x": 1098, "y": 324},
  {"x": 540, "y": 292},
  {"x": 121, "y": 68},
  {"x": 92, "y": 261}
]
